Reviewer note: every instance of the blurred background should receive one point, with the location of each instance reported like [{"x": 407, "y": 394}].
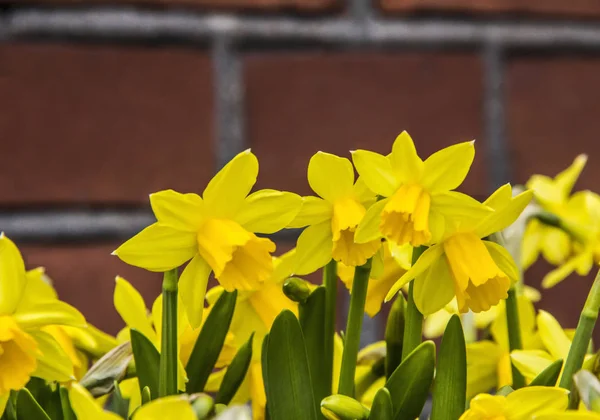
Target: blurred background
[{"x": 103, "y": 102}]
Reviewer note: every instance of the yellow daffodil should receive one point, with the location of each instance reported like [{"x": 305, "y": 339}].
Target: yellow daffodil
[
  {"x": 255, "y": 312},
  {"x": 488, "y": 362},
  {"x": 584, "y": 222},
  {"x": 521, "y": 404},
  {"x": 333, "y": 216},
  {"x": 130, "y": 305},
  {"x": 556, "y": 344},
  {"x": 568, "y": 415},
  {"x": 396, "y": 261},
  {"x": 26, "y": 350},
  {"x": 215, "y": 231},
  {"x": 435, "y": 324},
  {"x": 417, "y": 193},
  {"x": 478, "y": 272},
  {"x": 174, "y": 407},
  {"x": 553, "y": 195}
]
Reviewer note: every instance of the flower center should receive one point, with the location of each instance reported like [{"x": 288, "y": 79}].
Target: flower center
[
  {"x": 347, "y": 214},
  {"x": 478, "y": 282},
  {"x": 405, "y": 218},
  {"x": 17, "y": 355},
  {"x": 239, "y": 259}
]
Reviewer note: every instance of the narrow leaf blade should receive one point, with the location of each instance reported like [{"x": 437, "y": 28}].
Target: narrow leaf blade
[
  {"x": 548, "y": 376},
  {"x": 28, "y": 408},
  {"x": 382, "y": 408},
  {"x": 235, "y": 374},
  {"x": 147, "y": 362}
]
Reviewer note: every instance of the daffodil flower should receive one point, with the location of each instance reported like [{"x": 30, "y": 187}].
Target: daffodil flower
[
  {"x": 255, "y": 311},
  {"x": 333, "y": 216},
  {"x": 488, "y": 362},
  {"x": 173, "y": 407},
  {"x": 521, "y": 404},
  {"x": 417, "y": 193},
  {"x": 478, "y": 272},
  {"x": 556, "y": 344},
  {"x": 216, "y": 232},
  {"x": 26, "y": 350},
  {"x": 553, "y": 195},
  {"x": 568, "y": 415},
  {"x": 396, "y": 261}
]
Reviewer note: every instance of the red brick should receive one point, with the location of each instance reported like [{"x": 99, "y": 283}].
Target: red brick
[
  {"x": 558, "y": 8},
  {"x": 103, "y": 123},
  {"x": 84, "y": 277},
  {"x": 298, "y": 104},
  {"x": 241, "y": 5}
]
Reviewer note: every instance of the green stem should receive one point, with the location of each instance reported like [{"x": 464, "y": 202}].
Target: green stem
[
  {"x": 413, "y": 327},
  {"x": 514, "y": 334},
  {"x": 583, "y": 335},
  {"x": 356, "y": 313},
  {"x": 330, "y": 282},
  {"x": 167, "y": 380}
]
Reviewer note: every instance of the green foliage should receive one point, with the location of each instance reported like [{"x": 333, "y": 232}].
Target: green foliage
[
  {"x": 382, "y": 408},
  {"x": 548, "y": 376},
  {"x": 147, "y": 362},
  {"x": 236, "y": 372},
  {"x": 28, "y": 408}
]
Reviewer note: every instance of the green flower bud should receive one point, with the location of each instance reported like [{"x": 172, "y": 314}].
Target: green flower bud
[
  {"x": 202, "y": 404},
  {"x": 296, "y": 289},
  {"x": 341, "y": 407}
]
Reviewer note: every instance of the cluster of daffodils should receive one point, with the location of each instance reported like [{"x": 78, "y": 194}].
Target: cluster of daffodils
[{"x": 264, "y": 343}]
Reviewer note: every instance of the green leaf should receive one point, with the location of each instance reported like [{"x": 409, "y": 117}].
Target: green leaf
[
  {"x": 116, "y": 403},
  {"x": 210, "y": 342},
  {"x": 46, "y": 397},
  {"x": 146, "y": 395},
  {"x": 147, "y": 362},
  {"x": 409, "y": 384},
  {"x": 67, "y": 410},
  {"x": 312, "y": 315},
  {"x": 394, "y": 333},
  {"x": 382, "y": 408},
  {"x": 28, "y": 408},
  {"x": 548, "y": 376},
  {"x": 235, "y": 374},
  {"x": 450, "y": 387},
  {"x": 287, "y": 382}
]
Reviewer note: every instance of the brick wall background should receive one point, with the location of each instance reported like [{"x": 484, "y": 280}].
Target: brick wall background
[{"x": 103, "y": 102}]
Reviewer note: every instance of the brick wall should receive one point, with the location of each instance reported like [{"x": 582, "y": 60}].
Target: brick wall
[{"x": 103, "y": 124}]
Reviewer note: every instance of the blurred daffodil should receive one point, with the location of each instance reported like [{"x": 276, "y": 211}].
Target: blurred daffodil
[
  {"x": 478, "y": 272},
  {"x": 417, "y": 193},
  {"x": 333, "y": 216},
  {"x": 488, "y": 361},
  {"x": 396, "y": 261},
  {"x": 521, "y": 404},
  {"x": 25, "y": 349},
  {"x": 553, "y": 195},
  {"x": 216, "y": 232},
  {"x": 255, "y": 312}
]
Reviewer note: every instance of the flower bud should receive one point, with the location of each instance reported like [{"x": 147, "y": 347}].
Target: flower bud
[
  {"x": 202, "y": 404},
  {"x": 296, "y": 289},
  {"x": 341, "y": 407}
]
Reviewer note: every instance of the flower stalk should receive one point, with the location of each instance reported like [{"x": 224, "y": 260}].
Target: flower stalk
[
  {"x": 167, "y": 382},
  {"x": 413, "y": 328},
  {"x": 356, "y": 312},
  {"x": 514, "y": 334},
  {"x": 583, "y": 335},
  {"x": 330, "y": 283}
]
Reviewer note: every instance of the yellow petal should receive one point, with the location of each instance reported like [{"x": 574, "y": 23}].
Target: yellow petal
[
  {"x": 314, "y": 248},
  {"x": 525, "y": 402},
  {"x": 131, "y": 307},
  {"x": 423, "y": 263},
  {"x": 268, "y": 211},
  {"x": 192, "y": 285},
  {"x": 483, "y": 358},
  {"x": 225, "y": 193},
  {"x": 567, "y": 178},
  {"x": 283, "y": 266},
  {"x": 499, "y": 198},
  {"x": 269, "y": 301},
  {"x": 406, "y": 164},
  {"x": 530, "y": 247},
  {"x": 486, "y": 407},
  {"x": 314, "y": 210},
  {"x": 435, "y": 324},
  {"x": 53, "y": 363},
  {"x": 503, "y": 260},
  {"x": 173, "y": 407},
  {"x": 330, "y": 176},
  {"x": 553, "y": 336},
  {"x": 376, "y": 171},
  {"x": 3, "y": 401},
  {"x": 85, "y": 407},
  {"x": 556, "y": 245},
  {"x": 158, "y": 248},
  {"x": 560, "y": 273},
  {"x": 368, "y": 228},
  {"x": 434, "y": 288},
  {"x": 446, "y": 169},
  {"x": 50, "y": 312},
  {"x": 460, "y": 209},
  {"x": 531, "y": 362},
  {"x": 568, "y": 415},
  {"x": 179, "y": 211},
  {"x": 12, "y": 275},
  {"x": 501, "y": 219},
  {"x": 527, "y": 319},
  {"x": 130, "y": 389}
]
